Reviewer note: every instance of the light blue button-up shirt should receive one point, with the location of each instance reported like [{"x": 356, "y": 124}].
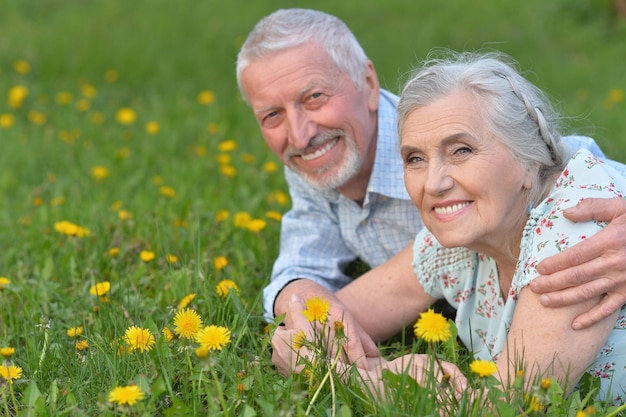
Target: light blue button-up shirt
[{"x": 325, "y": 231}]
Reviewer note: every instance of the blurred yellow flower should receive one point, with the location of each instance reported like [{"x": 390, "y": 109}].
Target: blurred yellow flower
[
  {"x": 21, "y": 66},
  {"x": 114, "y": 252},
  {"x": 483, "y": 368},
  {"x": 57, "y": 201},
  {"x": 317, "y": 309},
  {"x": 100, "y": 289},
  {"x": 274, "y": 215},
  {"x": 81, "y": 344},
  {"x": 17, "y": 94},
  {"x": 110, "y": 76},
  {"x": 88, "y": 90},
  {"x": 116, "y": 205},
  {"x": 146, "y": 255},
  {"x": 96, "y": 117},
  {"x": 224, "y": 286},
  {"x": 212, "y": 128},
  {"x": 213, "y": 337},
  {"x": 168, "y": 334},
  {"x": 256, "y": 225},
  {"x": 63, "y": 98},
  {"x": 83, "y": 105},
  {"x": 432, "y": 327},
  {"x": 7, "y": 351},
  {"x": 187, "y": 323},
  {"x": 126, "y": 116},
  {"x": 37, "y": 117},
  {"x": 206, "y": 97},
  {"x": 6, "y": 120},
  {"x": 248, "y": 158},
  {"x": 68, "y": 228},
  {"x": 198, "y": 150},
  {"x": 186, "y": 300},
  {"x": 139, "y": 339},
  {"x": 278, "y": 197},
  {"x": 10, "y": 372},
  {"x": 157, "y": 180},
  {"x": 224, "y": 159},
  {"x": 220, "y": 262},
  {"x": 227, "y": 146},
  {"x": 270, "y": 166},
  {"x": 4, "y": 281},
  {"x": 221, "y": 215},
  {"x": 124, "y": 215},
  {"x": 75, "y": 331},
  {"x": 167, "y": 191},
  {"x": 545, "y": 384},
  {"x": 37, "y": 201},
  {"x": 99, "y": 172},
  {"x": 242, "y": 219},
  {"x": 126, "y": 395},
  {"x": 152, "y": 127},
  {"x": 171, "y": 259},
  {"x": 228, "y": 170},
  {"x": 616, "y": 95},
  {"x": 122, "y": 153},
  {"x": 202, "y": 352}
]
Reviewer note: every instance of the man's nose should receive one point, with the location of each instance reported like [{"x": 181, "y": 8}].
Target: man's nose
[{"x": 300, "y": 128}]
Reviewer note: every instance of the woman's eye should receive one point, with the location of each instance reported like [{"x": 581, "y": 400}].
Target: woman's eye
[{"x": 462, "y": 150}]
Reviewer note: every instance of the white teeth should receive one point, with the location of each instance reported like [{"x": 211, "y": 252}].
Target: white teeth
[
  {"x": 450, "y": 209},
  {"x": 321, "y": 151}
]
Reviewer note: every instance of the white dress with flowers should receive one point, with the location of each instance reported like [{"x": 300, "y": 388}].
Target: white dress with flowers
[{"x": 469, "y": 280}]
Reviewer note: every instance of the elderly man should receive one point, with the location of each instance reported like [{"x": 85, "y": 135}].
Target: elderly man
[{"x": 317, "y": 99}]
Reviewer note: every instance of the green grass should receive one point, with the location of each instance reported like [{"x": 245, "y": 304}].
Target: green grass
[{"x": 165, "y": 53}]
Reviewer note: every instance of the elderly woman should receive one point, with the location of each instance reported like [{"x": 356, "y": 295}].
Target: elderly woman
[{"x": 484, "y": 165}]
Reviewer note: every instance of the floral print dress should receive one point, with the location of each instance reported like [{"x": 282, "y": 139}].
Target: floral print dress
[{"x": 469, "y": 280}]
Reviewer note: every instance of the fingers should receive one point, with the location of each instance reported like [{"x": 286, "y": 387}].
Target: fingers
[
  {"x": 609, "y": 304},
  {"x": 600, "y": 209}
]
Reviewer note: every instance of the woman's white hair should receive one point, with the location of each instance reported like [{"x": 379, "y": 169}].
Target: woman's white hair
[{"x": 289, "y": 28}]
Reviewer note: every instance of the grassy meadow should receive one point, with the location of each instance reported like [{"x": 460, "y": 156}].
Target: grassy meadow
[{"x": 139, "y": 204}]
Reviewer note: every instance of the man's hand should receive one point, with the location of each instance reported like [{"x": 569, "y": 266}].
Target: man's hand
[
  {"x": 593, "y": 267},
  {"x": 357, "y": 347}
]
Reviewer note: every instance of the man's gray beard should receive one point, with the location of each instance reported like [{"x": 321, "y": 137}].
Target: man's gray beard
[{"x": 349, "y": 168}]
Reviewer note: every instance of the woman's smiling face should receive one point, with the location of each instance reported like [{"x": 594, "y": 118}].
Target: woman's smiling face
[{"x": 467, "y": 185}]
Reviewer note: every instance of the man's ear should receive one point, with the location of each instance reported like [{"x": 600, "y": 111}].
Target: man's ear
[{"x": 371, "y": 86}]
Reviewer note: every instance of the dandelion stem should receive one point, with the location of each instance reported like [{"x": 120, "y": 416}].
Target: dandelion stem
[{"x": 617, "y": 411}]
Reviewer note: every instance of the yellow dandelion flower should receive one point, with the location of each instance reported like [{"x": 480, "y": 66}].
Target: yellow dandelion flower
[
  {"x": 220, "y": 262},
  {"x": 75, "y": 331},
  {"x": 298, "y": 339},
  {"x": 139, "y": 339},
  {"x": 222, "y": 215},
  {"x": 317, "y": 309},
  {"x": 37, "y": 117},
  {"x": 181, "y": 223},
  {"x": 6, "y": 352},
  {"x": 10, "y": 372},
  {"x": 212, "y": 128},
  {"x": 202, "y": 352},
  {"x": 278, "y": 197},
  {"x": 274, "y": 215},
  {"x": 124, "y": 215},
  {"x": 17, "y": 95},
  {"x": 224, "y": 286},
  {"x": 213, "y": 337},
  {"x": 71, "y": 229},
  {"x": 483, "y": 368},
  {"x": 248, "y": 158},
  {"x": 228, "y": 170},
  {"x": 57, "y": 201},
  {"x": 616, "y": 95},
  {"x": 126, "y": 116},
  {"x": 21, "y": 66},
  {"x": 4, "y": 281},
  {"x": 432, "y": 327},
  {"x": 270, "y": 166},
  {"x": 81, "y": 345},
  {"x": 110, "y": 76},
  {"x": 6, "y": 120},
  {"x": 100, "y": 289},
  {"x": 224, "y": 159},
  {"x": 198, "y": 150},
  {"x": 171, "y": 259},
  {"x": 96, "y": 117},
  {"x": 114, "y": 252},
  {"x": 126, "y": 395},
  {"x": 256, "y": 225},
  {"x": 83, "y": 105},
  {"x": 186, "y": 301},
  {"x": 206, "y": 97},
  {"x": 157, "y": 180},
  {"x": 152, "y": 127},
  {"x": 99, "y": 172},
  {"x": 242, "y": 219},
  {"x": 63, "y": 98},
  {"x": 227, "y": 146},
  {"x": 37, "y": 201},
  {"x": 187, "y": 323},
  {"x": 168, "y": 334},
  {"x": 146, "y": 255},
  {"x": 545, "y": 384},
  {"x": 167, "y": 191},
  {"x": 581, "y": 413},
  {"x": 88, "y": 90}
]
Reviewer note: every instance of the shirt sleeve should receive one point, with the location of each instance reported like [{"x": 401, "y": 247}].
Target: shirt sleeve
[
  {"x": 576, "y": 142},
  {"x": 311, "y": 245}
]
